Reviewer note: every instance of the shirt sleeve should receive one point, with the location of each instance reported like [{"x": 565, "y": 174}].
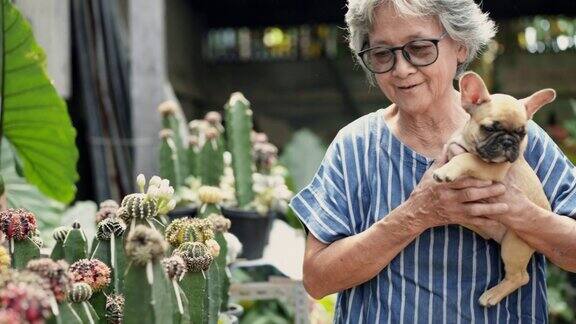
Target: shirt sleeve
[
  {"x": 555, "y": 171},
  {"x": 322, "y": 206}
]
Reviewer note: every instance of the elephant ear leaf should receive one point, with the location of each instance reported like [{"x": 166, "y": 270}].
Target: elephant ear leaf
[{"x": 35, "y": 119}]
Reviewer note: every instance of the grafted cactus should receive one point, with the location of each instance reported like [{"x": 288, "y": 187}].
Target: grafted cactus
[
  {"x": 198, "y": 258},
  {"x": 19, "y": 225},
  {"x": 147, "y": 288},
  {"x": 96, "y": 274},
  {"x": 79, "y": 296},
  {"x": 59, "y": 234},
  {"x": 110, "y": 250},
  {"x": 175, "y": 269},
  {"x": 172, "y": 119},
  {"x": 238, "y": 130},
  {"x": 170, "y": 164},
  {"x": 75, "y": 245}
]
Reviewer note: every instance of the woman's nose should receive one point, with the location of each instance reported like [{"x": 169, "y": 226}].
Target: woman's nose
[{"x": 402, "y": 68}]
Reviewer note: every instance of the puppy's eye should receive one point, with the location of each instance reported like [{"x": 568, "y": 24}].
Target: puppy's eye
[
  {"x": 520, "y": 131},
  {"x": 487, "y": 128}
]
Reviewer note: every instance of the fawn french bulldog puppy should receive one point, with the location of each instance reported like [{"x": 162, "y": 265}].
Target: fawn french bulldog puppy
[{"x": 492, "y": 142}]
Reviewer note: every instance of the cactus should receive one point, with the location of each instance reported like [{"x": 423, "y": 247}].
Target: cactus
[
  {"x": 145, "y": 280},
  {"x": 109, "y": 248},
  {"x": 198, "y": 258},
  {"x": 221, "y": 225},
  {"x": 170, "y": 167},
  {"x": 239, "y": 128},
  {"x": 75, "y": 245},
  {"x": 79, "y": 296},
  {"x": 19, "y": 226},
  {"x": 59, "y": 234},
  {"x": 175, "y": 268},
  {"x": 96, "y": 274},
  {"x": 193, "y": 151},
  {"x": 174, "y": 121}
]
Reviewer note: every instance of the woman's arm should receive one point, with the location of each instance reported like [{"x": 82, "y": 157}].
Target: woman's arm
[
  {"x": 550, "y": 234},
  {"x": 353, "y": 260}
]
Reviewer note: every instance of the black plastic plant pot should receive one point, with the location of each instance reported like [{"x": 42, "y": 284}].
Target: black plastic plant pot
[
  {"x": 252, "y": 229},
  {"x": 182, "y": 212}
]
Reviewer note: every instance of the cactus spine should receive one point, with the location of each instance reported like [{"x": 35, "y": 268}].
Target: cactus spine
[{"x": 239, "y": 128}]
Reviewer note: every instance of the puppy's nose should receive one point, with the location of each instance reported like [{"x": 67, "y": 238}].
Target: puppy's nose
[{"x": 507, "y": 143}]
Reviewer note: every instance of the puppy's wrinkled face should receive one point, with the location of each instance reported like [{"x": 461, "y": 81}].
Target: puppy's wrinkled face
[{"x": 497, "y": 129}]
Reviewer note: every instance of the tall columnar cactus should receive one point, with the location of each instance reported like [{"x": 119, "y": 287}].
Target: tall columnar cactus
[
  {"x": 210, "y": 158},
  {"x": 147, "y": 288},
  {"x": 198, "y": 258},
  {"x": 170, "y": 164},
  {"x": 59, "y": 234},
  {"x": 175, "y": 269},
  {"x": 221, "y": 225},
  {"x": 19, "y": 225},
  {"x": 173, "y": 119},
  {"x": 75, "y": 245},
  {"x": 110, "y": 250},
  {"x": 238, "y": 130}
]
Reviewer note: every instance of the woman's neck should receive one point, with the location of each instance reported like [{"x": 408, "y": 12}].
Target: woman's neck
[{"x": 428, "y": 131}]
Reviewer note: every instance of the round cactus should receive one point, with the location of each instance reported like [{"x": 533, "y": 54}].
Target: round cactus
[
  {"x": 17, "y": 224},
  {"x": 138, "y": 206},
  {"x": 80, "y": 292},
  {"x": 144, "y": 245},
  {"x": 93, "y": 272},
  {"x": 109, "y": 226},
  {"x": 55, "y": 273},
  {"x": 174, "y": 267},
  {"x": 59, "y": 234},
  {"x": 220, "y": 223},
  {"x": 114, "y": 308},
  {"x": 196, "y": 255}
]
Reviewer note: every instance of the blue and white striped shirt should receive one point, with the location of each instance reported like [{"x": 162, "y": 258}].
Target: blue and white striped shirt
[{"x": 438, "y": 278}]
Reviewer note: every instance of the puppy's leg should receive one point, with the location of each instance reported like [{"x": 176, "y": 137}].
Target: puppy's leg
[
  {"x": 470, "y": 165},
  {"x": 515, "y": 254}
]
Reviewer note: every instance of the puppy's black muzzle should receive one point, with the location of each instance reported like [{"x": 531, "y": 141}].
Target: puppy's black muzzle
[{"x": 502, "y": 147}]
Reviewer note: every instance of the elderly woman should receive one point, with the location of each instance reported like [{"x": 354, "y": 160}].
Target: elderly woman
[{"x": 386, "y": 236}]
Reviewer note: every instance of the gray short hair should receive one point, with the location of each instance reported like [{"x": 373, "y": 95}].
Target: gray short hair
[{"x": 462, "y": 19}]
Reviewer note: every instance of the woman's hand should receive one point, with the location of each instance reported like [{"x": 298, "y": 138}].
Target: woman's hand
[{"x": 466, "y": 201}]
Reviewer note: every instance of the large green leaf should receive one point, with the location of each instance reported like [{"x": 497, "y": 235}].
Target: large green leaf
[{"x": 35, "y": 118}]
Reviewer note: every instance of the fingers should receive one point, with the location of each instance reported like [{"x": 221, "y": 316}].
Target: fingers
[
  {"x": 478, "y": 193},
  {"x": 477, "y": 209},
  {"x": 466, "y": 182}
]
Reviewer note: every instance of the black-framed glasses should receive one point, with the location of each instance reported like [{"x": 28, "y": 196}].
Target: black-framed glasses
[{"x": 419, "y": 52}]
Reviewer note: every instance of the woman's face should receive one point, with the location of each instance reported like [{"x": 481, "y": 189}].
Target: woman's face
[{"x": 415, "y": 89}]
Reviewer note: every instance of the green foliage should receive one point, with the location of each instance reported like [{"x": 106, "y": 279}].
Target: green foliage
[
  {"x": 21, "y": 194},
  {"x": 68, "y": 314},
  {"x": 560, "y": 294},
  {"x": 302, "y": 156},
  {"x": 86, "y": 312},
  {"x": 211, "y": 161},
  {"x": 34, "y": 118},
  {"x": 238, "y": 129}
]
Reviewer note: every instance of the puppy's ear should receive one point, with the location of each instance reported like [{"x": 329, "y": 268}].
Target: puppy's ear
[
  {"x": 473, "y": 91},
  {"x": 537, "y": 100}
]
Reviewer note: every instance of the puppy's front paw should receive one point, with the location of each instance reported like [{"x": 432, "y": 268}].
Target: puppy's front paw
[{"x": 444, "y": 174}]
